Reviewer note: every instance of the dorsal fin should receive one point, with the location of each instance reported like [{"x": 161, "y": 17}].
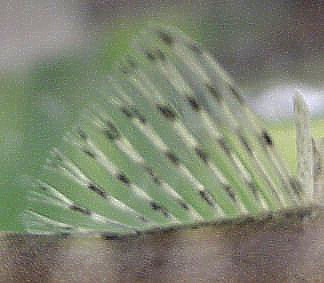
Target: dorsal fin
[{"x": 168, "y": 141}]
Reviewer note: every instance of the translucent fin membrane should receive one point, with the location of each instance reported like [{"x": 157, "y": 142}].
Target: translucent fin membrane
[
  {"x": 168, "y": 140},
  {"x": 304, "y": 147},
  {"x": 318, "y": 167}
]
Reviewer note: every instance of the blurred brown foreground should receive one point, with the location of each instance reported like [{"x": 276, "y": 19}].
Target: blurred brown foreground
[{"x": 287, "y": 249}]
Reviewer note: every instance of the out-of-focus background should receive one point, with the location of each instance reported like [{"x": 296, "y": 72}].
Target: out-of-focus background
[{"x": 53, "y": 52}]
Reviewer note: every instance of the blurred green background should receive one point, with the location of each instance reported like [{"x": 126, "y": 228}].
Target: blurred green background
[{"x": 52, "y": 54}]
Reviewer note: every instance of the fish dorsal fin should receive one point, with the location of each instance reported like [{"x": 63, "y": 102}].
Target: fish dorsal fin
[{"x": 168, "y": 140}]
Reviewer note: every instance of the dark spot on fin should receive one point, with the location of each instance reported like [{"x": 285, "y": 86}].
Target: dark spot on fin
[
  {"x": 123, "y": 178},
  {"x": 79, "y": 209},
  {"x": 214, "y": 92},
  {"x": 194, "y": 103},
  {"x": 245, "y": 143},
  {"x": 109, "y": 236},
  {"x": 150, "y": 55},
  {"x": 111, "y": 131},
  {"x": 224, "y": 146},
  {"x": 195, "y": 48},
  {"x": 296, "y": 185},
  {"x": 90, "y": 153},
  {"x": 155, "y": 179},
  {"x": 254, "y": 189},
  {"x": 166, "y": 37},
  {"x": 156, "y": 206},
  {"x": 67, "y": 232},
  {"x": 127, "y": 112},
  {"x": 172, "y": 157},
  {"x": 154, "y": 54},
  {"x": 205, "y": 196},
  {"x": 126, "y": 69},
  {"x": 143, "y": 219},
  {"x": 93, "y": 187},
  {"x": 230, "y": 192},
  {"x": 43, "y": 188},
  {"x": 133, "y": 113},
  {"x": 201, "y": 154},
  {"x": 82, "y": 134},
  {"x": 267, "y": 138},
  {"x": 167, "y": 112},
  {"x": 183, "y": 205},
  {"x": 139, "y": 116},
  {"x": 237, "y": 95}
]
